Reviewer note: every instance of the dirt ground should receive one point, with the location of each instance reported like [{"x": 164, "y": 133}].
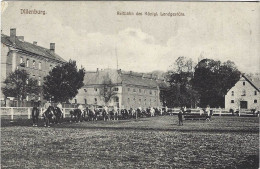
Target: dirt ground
[{"x": 158, "y": 142}]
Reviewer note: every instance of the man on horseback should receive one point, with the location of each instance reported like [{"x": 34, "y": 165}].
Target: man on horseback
[{"x": 35, "y": 113}]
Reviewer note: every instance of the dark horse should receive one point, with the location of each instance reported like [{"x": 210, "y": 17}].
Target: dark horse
[
  {"x": 57, "y": 115},
  {"x": 48, "y": 115},
  {"x": 75, "y": 115},
  {"x": 35, "y": 115}
]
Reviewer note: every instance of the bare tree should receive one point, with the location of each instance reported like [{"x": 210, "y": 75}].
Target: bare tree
[{"x": 107, "y": 90}]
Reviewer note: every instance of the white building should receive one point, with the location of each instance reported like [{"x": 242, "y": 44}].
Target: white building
[{"x": 245, "y": 94}]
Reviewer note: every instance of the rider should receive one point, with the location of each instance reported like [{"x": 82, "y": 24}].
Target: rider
[
  {"x": 60, "y": 107},
  {"x": 46, "y": 106}
]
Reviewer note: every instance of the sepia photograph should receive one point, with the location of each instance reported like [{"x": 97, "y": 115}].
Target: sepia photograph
[{"x": 130, "y": 84}]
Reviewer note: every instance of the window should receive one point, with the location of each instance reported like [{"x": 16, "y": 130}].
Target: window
[
  {"x": 85, "y": 90},
  {"x": 150, "y": 91},
  {"x": 145, "y": 101},
  {"x": 140, "y": 90},
  {"x": 128, "y": 89},
  {"x": 85, "y": 100},
  {"x": 95, "y": 89},
  {"x": 134, "y": 99},
  {"x": 128, "y": 100},
  {"x": 255, "y": 101},
  {"x": 75, "y": 101},
  {"x": 95, "y": 99},
  {"x": 40, "y": 65},
  {"x": 243, "y": 92},
  {"x": 134, "y": 90},
  {"x": 33, "y": 63},
  {"x": 232, "y": 93},
  {"x": 116, "y": 99},
  {"x": 155, "y": 93},
  {"x": 255, "y": 92},
  {"x": 140, "y": 101},
  {"x": 244, "y": 83},
  {"x": 27, "y": 63},
  {"x": 116, "y": 89},
  {"x": 232, "y": 101}
]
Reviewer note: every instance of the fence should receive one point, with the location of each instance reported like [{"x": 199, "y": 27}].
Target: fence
[
  {"x": 13, "y": 113},
  {"x": 25, "y": 112}
]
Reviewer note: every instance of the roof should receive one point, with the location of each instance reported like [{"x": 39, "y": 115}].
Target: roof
[
  {"x": 31, "y": 48},
  {"x": 254, "y": 81},
  {"x": 120, "y": 77}
]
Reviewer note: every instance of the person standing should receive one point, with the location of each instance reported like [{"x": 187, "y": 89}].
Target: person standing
[{"x": 180, "y": 118}]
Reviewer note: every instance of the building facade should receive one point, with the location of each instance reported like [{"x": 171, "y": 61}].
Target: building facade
[
  {"x": 132, "y": 90},
  {"x": 18, "y": 54},
  {"x": 244, "y": 95}
]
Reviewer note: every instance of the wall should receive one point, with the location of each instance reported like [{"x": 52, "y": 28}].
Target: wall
[{"x": 238, "y": 92}]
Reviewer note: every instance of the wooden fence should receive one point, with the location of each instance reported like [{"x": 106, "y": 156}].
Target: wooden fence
[{"x": 25, "y": 112}]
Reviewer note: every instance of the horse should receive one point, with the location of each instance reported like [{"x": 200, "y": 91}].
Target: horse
[
  {"x": 75, "y": 115},
  {"x": 35, "y": 116},
  {"x": 92, "y": 115},
  {"x": 58, "y": 115},
  {"x": 48, "y": 115}
]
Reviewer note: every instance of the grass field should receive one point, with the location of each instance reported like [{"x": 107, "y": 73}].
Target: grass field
[{"x": 158, "y": 142}]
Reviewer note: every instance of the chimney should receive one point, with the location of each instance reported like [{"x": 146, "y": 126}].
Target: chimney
[
  {"x": 34, "y": 42},
  {"x": 97, "y": 70},
  {"x": 52, "y": 47},
  {"x": 13, "y": 35}
]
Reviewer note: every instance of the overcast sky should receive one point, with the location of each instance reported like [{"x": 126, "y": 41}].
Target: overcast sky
[{"x": 93, "y": 34}]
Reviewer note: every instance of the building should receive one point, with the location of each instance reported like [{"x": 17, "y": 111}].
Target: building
[
  {"x": 131, "y": 89},
  {"x": 245, "y": 94},
  {"x": 19, "y": 54}
]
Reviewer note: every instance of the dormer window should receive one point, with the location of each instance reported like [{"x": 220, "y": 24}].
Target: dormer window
[
  {"x": 232, "y": 93},
  {"x": 27, "y": 63},
  {"x": 40, "y": 65},
  {"x": 244, "y": 83},
  {"x": 33, "y": 63},
  {"x": 255, "y": 92}
]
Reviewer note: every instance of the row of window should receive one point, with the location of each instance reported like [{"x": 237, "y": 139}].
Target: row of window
[
  {"x": 243, "y": 93},
  {"x": 140, "y": 100},
  {"x": 128, "y": 89},
  {"x": 27, "y": 64},
  {"x": 232, "y": 101},
  {"x": 141, "y": 90}
]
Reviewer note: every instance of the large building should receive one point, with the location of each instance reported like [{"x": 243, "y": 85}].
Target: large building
[
  {"x": 244, "y": 95},
  {"x": 131, "y": 90},
  {"x": 18, "y": 54}
]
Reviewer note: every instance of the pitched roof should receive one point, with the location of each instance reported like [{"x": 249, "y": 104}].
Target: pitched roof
[
  {"x": 254, "y": 81},
  {"x": 31, "y": 48},
  {"x": 121, "y": 77}
]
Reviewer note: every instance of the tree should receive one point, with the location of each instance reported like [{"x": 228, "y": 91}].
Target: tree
[
  {"x": 181, "y": 92},
  {"x": 212, "y": 79},
  {"x": 106, "y": 90},
  {"x": 63, "y": 82},
  {"x": 19, "y": 85}
]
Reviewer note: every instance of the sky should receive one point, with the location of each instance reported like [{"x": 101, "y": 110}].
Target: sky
[{"x": 96, "y": 37}]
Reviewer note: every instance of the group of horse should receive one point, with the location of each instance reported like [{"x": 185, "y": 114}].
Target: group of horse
[
  {"x": 51, "y": 115},
  {"x": 55, "y": 115}
]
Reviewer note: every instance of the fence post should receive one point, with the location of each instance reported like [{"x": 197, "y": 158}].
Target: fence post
[
  {"x": 12, "y": 114},
  {"x": 63, "y": 112},
  {"x": 220, "y": 112},
  {"x": 28, "y": 113}
]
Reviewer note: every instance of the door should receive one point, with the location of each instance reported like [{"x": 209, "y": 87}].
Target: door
[{"x": 243, "y": 104}]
